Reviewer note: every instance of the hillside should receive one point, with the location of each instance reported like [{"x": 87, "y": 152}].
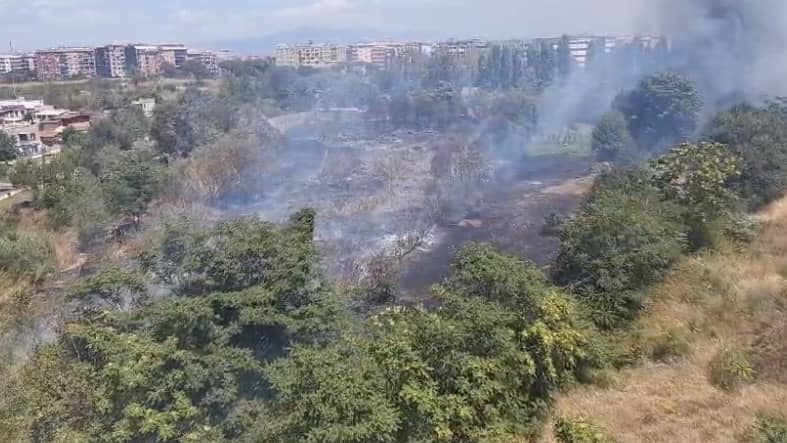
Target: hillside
[{"x": 731, "y": 299}]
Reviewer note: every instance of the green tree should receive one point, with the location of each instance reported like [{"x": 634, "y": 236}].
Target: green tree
[
  {"x": 611, "y": 140},
  {"x": 8, "y": 150},
  {"x": 130, "y": 180},
  {"x": 182, "y": 368},
  {"x": 758, "y": 136},
  {"x": 195, "y": 119},
  {"x": 620, "y": 241},
  {"x": 125, "y": 127},
  {"x": 333, "y": 395},
  {"x": 564, "y": 60},
  {"x": 662, "y": 110},
  {"x": 696, "y": 177},
  {"x": 480, "y": 368},
  {"x": 195, "y": 69}
]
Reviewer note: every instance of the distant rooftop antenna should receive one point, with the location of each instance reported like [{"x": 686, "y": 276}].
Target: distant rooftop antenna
[{"x": 11, "y": 71}]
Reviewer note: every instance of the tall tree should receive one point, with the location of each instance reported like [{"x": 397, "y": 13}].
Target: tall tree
[
  {"x": 564, "y": 60},
  {"x": 662, "y": 110},
  {"x": 8, "y": 150}
]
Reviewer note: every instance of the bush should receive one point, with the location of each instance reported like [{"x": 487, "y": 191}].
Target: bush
[
  {"x": 618, "y": 243},
  {"x": 741, "y": 228},
  {"x": 29, "y": 256},
  {"x": 669, "y": 346},
  {"x": 611, "y": 140},
  {"x": 579, "y": 430},
  {"x": 770, "y": 429},
  {"x": 758, "y": 136},
  {"x": 695, "y": 177},
  {"x": 730, "y": 368}
]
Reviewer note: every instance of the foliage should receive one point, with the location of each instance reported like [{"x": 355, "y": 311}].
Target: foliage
[
  {"x": 235, "y": 255},
  {"x": 24, "y": 255},
  {"x": 333, "y": 395},
  {"x": 662, "y": 110},
  {"x": 695, "y": 176},
  {"x": 8, "y": 150},
  {"x": 668, "y": 346},
  {"x": 187, "y": 368},
  {"x": 619, "y": 242},
  {"x": 122, "y": 129},
  {"x": 480, "y": 368},
  {"x": 130, "y": 180},
  {"x": 117, "y": 386},
  {"x": 611, "y": 140},
  {"x": 112, "y": 287},
  {"x": 771, "y": 429},
  {"x": 578, "y": 430},
  {"x": 758, "y": 137},
  {"x": 730, "y": 368},
  {"x": 87, "y": 210},
  {"x": 502, "y": 66},
  {"x": 196, "y": 118}
]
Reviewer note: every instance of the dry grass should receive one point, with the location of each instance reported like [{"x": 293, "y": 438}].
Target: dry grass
[
  {"x": 575, "y": 187},
  {"x": 729, "y": 297}
]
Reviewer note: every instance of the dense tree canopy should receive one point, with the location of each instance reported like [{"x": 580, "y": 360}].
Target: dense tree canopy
[
  {"x": 620, "y": 241},
  {"x": 662, "y": 110},
  {"x": 758, "y": 137}
]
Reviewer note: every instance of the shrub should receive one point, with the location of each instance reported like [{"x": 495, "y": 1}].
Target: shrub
[
  {"x": 618, "y": 243},
  {"x": 768, "y": 429},
  {"x": 611, "y": 140},
  {"x": 695, "y": 177},
  {"x": 758, "y": 135},
  {"x": 27, "y": 256},
  {"x": 579, "y": 430},
  {"x": 730, "y": 368},
  {"x": 669, "y": 346}
]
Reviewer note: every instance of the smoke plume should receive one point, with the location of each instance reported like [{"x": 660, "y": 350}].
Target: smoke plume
[{"x": 734, "y": 49}]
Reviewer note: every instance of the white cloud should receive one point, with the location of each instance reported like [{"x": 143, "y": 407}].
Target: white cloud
[{"x": 319, "y": 9}]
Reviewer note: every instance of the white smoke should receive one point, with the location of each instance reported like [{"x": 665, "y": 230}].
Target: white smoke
[{"x": 734, "y": 49}]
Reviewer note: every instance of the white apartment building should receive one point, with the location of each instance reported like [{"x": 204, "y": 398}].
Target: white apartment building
[
  {"x": 16, "y": 62},
  {"x": 312, "y": 55}
]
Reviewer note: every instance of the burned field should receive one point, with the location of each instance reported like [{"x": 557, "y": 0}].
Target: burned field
[{"x": 413, "y": 198}]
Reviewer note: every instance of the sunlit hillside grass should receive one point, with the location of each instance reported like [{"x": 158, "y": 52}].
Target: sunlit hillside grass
[{"x": 731, "y": 302}]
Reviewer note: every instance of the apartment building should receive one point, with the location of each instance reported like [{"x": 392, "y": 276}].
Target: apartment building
[
  {"x": 287, "y": 56},
  {"x": 111, "y": 61},
  {"x": 65, "y": 63},
  {"x": 15, "y": 62},
  {"x": 371, "y": 53},
  {"x": 143, "y": 60},
  {"x": 173, "y": 54},
  {"x": 312, "y": 55},
  {"x": 208, "y": 59}
]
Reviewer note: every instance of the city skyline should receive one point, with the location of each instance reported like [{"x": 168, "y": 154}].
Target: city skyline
[{"x": 48, "y": 23}]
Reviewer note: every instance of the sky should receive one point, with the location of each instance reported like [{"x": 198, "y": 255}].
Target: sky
[{"x": 32, "y": 24}]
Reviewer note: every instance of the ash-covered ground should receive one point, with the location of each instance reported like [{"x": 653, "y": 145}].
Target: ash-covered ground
[{"x": 416, "y": 196}]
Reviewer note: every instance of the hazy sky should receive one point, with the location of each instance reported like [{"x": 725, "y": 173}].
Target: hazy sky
[{"x": 39, "y": 23}]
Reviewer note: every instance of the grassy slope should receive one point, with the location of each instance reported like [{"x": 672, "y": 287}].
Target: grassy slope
[{"x": 733, "y": 297}]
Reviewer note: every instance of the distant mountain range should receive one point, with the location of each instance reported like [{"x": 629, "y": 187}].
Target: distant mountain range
[{"x": 266, "y": 44}]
